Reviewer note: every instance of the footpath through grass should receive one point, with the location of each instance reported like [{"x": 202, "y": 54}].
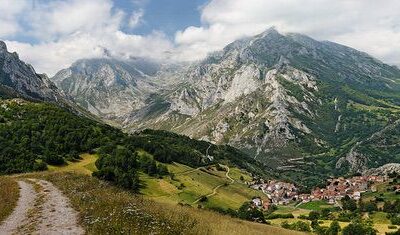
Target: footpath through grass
[{"x": 9, "y": 194}]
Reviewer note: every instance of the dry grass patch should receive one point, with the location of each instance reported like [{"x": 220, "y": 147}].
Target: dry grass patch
[{"x": 9, "y": 194}]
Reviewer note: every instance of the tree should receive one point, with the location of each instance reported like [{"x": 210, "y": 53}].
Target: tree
[
  {"x": 368, "y": 206},
  {"x": 313, "y": 215},
  {"x": 349, "y": 204},
  {"x": 358, "y": 228},
  {"x": 247, "y": 212},
  {"x": 53, "y": 159},
  {"x": 334, "y": 228},
  {"x": 325, "y": 213}
]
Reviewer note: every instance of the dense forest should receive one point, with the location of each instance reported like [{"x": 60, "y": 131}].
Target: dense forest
[{"x": 35, "y": 134}]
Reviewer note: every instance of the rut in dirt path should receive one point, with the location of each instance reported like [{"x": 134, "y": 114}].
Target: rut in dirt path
[{"x": 42, "y": 209}]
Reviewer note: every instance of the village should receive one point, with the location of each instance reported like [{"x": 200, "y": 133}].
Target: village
[{"x": 283, "y": 193}]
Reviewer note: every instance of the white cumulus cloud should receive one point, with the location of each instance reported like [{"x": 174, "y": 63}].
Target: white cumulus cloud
[
  {"x": 74, "y": 29},
  {"x": 61, "y": 31},
  {"x": 368, "y": 25},
  {"x": 136, "y": 18}
]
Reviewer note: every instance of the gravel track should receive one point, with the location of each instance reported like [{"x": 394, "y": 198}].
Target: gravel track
[
  {"x": 42, "y": 209},
  {"x": 19, "y": 217}
]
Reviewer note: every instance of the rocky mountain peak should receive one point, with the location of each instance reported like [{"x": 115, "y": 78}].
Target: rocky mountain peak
[
  {"x": 18, "y": 79},
  {"x": 3, "y": 47}
]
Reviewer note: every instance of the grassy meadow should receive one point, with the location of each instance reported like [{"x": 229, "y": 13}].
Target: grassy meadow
[
  {"x": 189, "y": 184},
  {"x": 105, "y": 208},
  {"x": 9, "y": 194},
  {"x": 166, "y": 205}
]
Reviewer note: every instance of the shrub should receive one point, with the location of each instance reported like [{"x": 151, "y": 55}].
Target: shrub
[
  {"x": 298, "y": 226},
  {"x": 279, "y": 216},
  {"x": 358, "y": 228},
  {"x": 39, "y": 166}
]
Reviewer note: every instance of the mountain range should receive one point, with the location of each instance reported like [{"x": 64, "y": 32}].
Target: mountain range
[{"x": 304, "y": 108}]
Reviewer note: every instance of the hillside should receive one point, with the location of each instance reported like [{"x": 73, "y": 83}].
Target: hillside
[
  {"x": 33, "y": 134},
  {"x": 37, "y": 136},
  {"x": 104, "y": 208},
  {"x": 186, "y": 185},
  {"x": 293, "y": 103}
]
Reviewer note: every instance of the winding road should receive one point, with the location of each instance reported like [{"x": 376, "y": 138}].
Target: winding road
[
  {"x": 215, "y": 189},
  {"x": 41, "y": 209}
]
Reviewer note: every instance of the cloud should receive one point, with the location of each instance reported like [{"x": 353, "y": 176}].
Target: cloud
[
  {"x": 368, "y": 25},
  {"x": 74, "y": 29},
  {"x": 62, "y": 31},
  {"x": 136, "y": 18},
  {"x": 9, "y": 14},
  {"x": 56, "y": 19},
  {"x": 50, "y": 57}
]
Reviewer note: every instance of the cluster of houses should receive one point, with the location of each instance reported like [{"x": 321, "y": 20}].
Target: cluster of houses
[
  {"x": 278, "y": 193},
  {"x": 281, "y": 193},
  {"x": 340, "y": 187}
]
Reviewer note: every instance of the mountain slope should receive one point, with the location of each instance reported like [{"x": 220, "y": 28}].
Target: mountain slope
[
  {"x": 293, "y": 103},
  {"x": 18, "y": 79},
  {"x": 286, "y": 99},
  {"x": 111, "y": 88}
]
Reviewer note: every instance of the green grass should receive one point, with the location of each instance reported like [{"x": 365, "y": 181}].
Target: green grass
[
  {"x": 196, "y": 183},
  {"x": 315, "y": 205},
  {"x": 84, "y": 166},
  {"x": 9, "y": 194},
  {"x": 189, "y": 184},
  {"x": 106, "y": 209},
  {"x": 381, "y": 192},
  {"x": 379, "y": 218}
]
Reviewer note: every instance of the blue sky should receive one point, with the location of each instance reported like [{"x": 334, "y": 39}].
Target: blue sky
[
  {"x": 167, "y": 16},
  {"x": 52, "y": 34}
]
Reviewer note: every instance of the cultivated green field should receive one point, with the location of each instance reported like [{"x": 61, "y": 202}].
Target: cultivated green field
[
  {"x": 315, "y": 205},
  {"x": 186, "y": 185},
  {"x": 189, "y": 184}
]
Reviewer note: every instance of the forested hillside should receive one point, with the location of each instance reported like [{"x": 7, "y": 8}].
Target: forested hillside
[{"x": 33, "y": 135}]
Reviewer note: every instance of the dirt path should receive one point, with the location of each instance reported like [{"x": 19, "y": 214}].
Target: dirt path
[
  {"x": 42, "y": 209},
  {"x": 227, "y": 174},
  {"x": 215, "y": 189},
  {"x": 19, "y": 217}
]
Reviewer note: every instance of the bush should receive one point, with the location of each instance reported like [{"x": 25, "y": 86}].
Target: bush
[
  {"x": 358, "y": 228},
  {"x": 279, "y": 216},
  {"x": 203, "y": 199},
  {"x": 53, "y": 159},
  {"x": 39, "y": 166},
  {"x": 298, "y": 226},
  {"x": 247, "y": 212}
]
